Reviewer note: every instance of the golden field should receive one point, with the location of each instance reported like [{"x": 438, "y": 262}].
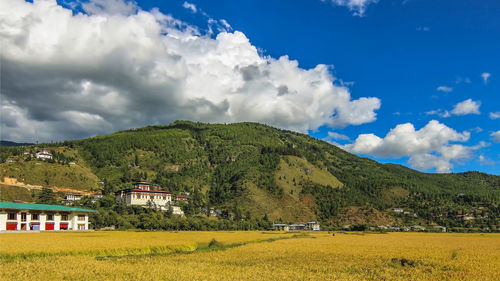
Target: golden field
[{"x": 264, "y": 256}]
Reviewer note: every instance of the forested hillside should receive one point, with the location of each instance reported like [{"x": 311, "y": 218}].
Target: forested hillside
[{"x": 253, "y": 170}]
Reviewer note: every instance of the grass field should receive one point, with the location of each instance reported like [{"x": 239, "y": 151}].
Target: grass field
[{"x": 248, "y": 256}]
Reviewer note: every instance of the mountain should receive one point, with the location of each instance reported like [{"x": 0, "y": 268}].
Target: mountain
[
  {"x": 11, "y": 143},
  {"x": 249, "y": 169}
]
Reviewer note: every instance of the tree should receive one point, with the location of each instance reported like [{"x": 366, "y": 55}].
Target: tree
[{"x": 46, "y": 196}]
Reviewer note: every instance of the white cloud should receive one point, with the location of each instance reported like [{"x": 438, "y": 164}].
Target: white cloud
[
  {"x": 68, "y": 75},
  {"x": 476, "y": 129},
  {"x": 110, "y": 7},
  {"x": 462, "y": 108},
  {"x": 427, "y": 148},
  {"x": 494, "y": 115},
  {"x": 439, "y": 112},
  {"x": 485, "y": 161},
  {"x": 190, "y": 6},
  {"x": 423, "y": 28},
  {"x": 226, "y": 24},
  {"x": 485, "y": 76},
  {"x": 358, "y": 7},
  {"x": 466, "y": 107},
  {"x": 496, "y": 136},
  {"x": 336, "y": 136},
  {"x": 444, "y": 89}
]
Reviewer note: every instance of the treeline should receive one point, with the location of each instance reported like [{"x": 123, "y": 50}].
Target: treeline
[{"x": 118, "y": 215}]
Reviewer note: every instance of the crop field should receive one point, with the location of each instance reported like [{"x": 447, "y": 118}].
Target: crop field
[{"x": 248, "y": 255}]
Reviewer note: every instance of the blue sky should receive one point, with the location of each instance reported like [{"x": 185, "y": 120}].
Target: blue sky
[{"x": 420, "y": 79}]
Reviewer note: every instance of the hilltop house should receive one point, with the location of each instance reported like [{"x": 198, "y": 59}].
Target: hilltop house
[
  {"x": 44, "y": 155},
  {"x": 142, "y": 195},
  {"x": 24, "y": 216}
]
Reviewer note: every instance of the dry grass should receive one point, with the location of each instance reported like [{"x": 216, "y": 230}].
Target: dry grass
[{"x": 395, "y": 256}]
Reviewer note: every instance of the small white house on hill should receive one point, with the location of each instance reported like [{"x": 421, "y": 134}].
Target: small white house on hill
[{"x": 44, "y": 155}]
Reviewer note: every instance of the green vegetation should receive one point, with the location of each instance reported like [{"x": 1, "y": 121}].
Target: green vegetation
[
  {"x": 251, "y": 171},
  {"x": 11, "y": 193}
]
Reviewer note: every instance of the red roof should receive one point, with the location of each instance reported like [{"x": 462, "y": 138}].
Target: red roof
[{"x": 148, "y": 191}]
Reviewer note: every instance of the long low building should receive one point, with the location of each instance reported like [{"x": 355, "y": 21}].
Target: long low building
[{"x": 25, "y": 216}]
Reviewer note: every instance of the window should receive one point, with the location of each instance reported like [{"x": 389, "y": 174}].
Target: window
[
  {"x": 50, "y": 217},
  {"x": 64, "y": 217},
  {"x": 35, "y": 217},
  {"x": 81, "y": 217},
  {"x": 12, "y": 216},
  {"x": 23, "y": 216}
]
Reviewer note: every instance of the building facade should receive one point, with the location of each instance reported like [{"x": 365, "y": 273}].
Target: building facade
[
  {"x": 44, "y": 155},
  {"x": 26, "y": 217},
  {"x": 142, "y": 195}
]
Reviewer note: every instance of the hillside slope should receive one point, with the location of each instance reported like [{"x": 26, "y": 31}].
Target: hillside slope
[{"x": 251, "y": 169}]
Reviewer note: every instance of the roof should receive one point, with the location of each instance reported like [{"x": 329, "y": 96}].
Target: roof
[
  {"x": 41, "y": 207},
  {"x": 145, "y": 191}
]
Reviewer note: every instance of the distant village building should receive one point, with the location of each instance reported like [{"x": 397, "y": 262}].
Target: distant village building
[
  {"x": 142, "y": 195},
  {"x": 73, "y": 197},
  {"x": 313, "y": 225},
  {"x": 181, "y": 198},
  {"x": 44, "y": 155},
  {"x": 96, "y": 197},
  {"x": 26, "y": 217},
  {"x": 296, "y": 227},
  {"x": 280, "y": 227}
]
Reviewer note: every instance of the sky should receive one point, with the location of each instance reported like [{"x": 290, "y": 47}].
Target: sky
[{"x": 412, "y": 82}]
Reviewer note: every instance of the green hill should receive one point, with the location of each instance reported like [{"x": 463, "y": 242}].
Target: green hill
[{"x": 250, "y": 169}]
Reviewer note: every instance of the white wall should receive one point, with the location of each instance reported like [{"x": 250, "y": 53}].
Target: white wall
[
  {"x": 43, "y": 219},
  {"x": 3, "y": 221},
  {"x": 57, "y": 221}
]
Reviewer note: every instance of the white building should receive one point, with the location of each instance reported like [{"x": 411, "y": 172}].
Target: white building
[
  {"x": 73, "y": 197},
  {"x": 24, "y": 216},
  {"x": 313, "y": 225},
  {"x": 142, "y": 195},
  {"x": 44, "y": 155}
]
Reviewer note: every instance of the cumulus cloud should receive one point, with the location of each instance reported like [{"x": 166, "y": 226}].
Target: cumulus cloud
[
  {"x": 494, "y": 115},
  {"x": 430, "y": 147},
  {"x": 190, "y": 6},
  {"x": 495, "y": 136},
  {"x": 444, "y": 89},
  {"x": 423, "y": 28},
  {"x": 110, "y": 7},
  {"x": 462, "y": 108},
  {"x": 485, "y": 76},
  {"x": 466, "y": 107},
  {"x": 358, "y": 7},
  {"x": 67, "y": 75}
]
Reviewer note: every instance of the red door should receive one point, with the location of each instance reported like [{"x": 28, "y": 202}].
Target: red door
[
  {"x": 63, "y": 226},
  {"x": 49, "y": 226},
  {"x": 11, "y": 226}
]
